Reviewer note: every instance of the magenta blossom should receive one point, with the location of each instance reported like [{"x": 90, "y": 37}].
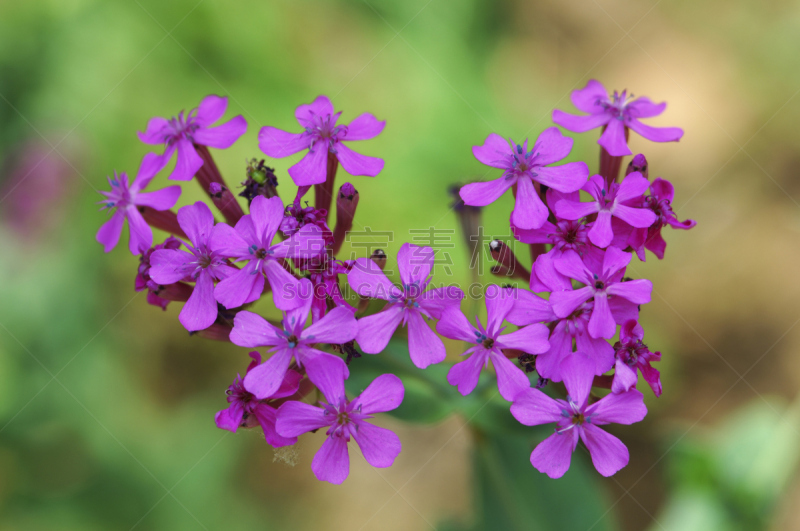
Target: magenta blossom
[
  {"x": 616, "y": 113},
  {"x": 600, "y": 285},
  {"x": 324, "y": 271},
  {"x": 345, "y": 419},
  {"x": 323, "y": 136},
  {"x": 607, "y": 204},
  {"x": 245, "y": 410},
  {"x": 294, "y": 340},
  {"x": 523, "y": 167},
  {"x": 576, "y": 419},
  {"x": 251, "y": 240},
  {"x": 201, "y": 264},
  {"x": 489, "y": 343},
  {"x": 125, "y": 199},
  {"x": 660, "y": 202},
  {"x": 572, "y": 328},
  {"x": 296, "y": 217},
  {"x": 632, "y": 354},
  {"x": 409, "y": 305},
  {"x": 143, "y": 280},
  {"x": 183, "y": 133}
]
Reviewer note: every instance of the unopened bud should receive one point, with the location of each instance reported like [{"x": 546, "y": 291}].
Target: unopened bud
[
  {"x": 507, "y": 263},
  {"x": 379, "y": 257},
  {"x": 261, "y": 180},
  {"x": 639, "y": 163},
  {"x": 346, "y": 203}
]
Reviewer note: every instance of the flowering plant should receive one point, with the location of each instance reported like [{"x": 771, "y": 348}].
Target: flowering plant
[{"x": 550, "y": 342}]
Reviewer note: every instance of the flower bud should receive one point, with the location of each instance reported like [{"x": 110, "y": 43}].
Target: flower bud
[
  {"x": 346, "y": 203},
  {"x": 379, "y": 257},
  {"x": 638, "y": 163},
  {"x": 507, "y": 263},
  {"x": 261, "y": 180}
]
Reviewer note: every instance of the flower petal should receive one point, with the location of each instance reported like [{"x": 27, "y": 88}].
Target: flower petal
[
  {"x": 188, "y": 162},
  {"x": 109, "y": 233},
  {"x": 511, "y": 380},
  {"x": 566, "y": 302},
  {"x": 246, "y": 285},
  {"x": 531, "y": 339},
  {"x": 332, "y": 463},
  {"x": 375, "y": 331},
  {"x": 326, "y": 371},
  {"x": 277, "y": 143},
  {"x": 424, "y": 345},
  {"x": 308, "y": 242},
  {"x": 619, "y": 408},
  {"x": 312, "y": 168},
  {"x": 637, "y": 291},
  {"x": 320, "y": 107},
  {"x": 167, "y": 265},
  {"x": 211, "y": 109},
  {"x": 297, "y": 418},
  {"x": 533, "y": 408},
  {"x": 251, "y": 330},
  {"x": 266, "y": 215},
  {"x": 263, "y": 381},
  {"x": 656, "y": 134},
  {"x": 485, "y": 193},
  {"x": 553, "y": 455},
  {"x": 601, "y": 323},
  {"x": 493, "y": 152},
  {"x": 454, "y": 325},
  {"x": 615, "y": 259},
  {"x": 364, "y": 127},
  {"x": 415, "y": 264},
  {"x": 577, "y": 371},
  {"x": 580, "y": 124},
  {"x": 636, "y": 217},
  {"x": 608, "y": 453},
  {"x": 613, "y": 139},
  {"x": 437, "y": 300},
  {"x": 141, "y": 235},
  {"x": 569, "y": 177},
  {"x": 163, "y": 199},
  {"x": 465, "y": 374},
  {"x": 529, "y": 211},
  {"x": 285, "y": 287},
  {"x": 645, "y": 108},
  {"x": 337, "y": 327},
  {"x": 369, "y": 280},
  {"x": 149, "y": 168},
  {"x": 530, "y": 308},
  {"x": 601, "y": 233},
  {"x": 552, "y": 146},
  {"x": 590, "y": 98},
  {"x": 231, "y": 418},
  {"x": 155, "y": 132},
  {"x": 200, "y": 311},
  {"x": 625, "y": 377},
  {"x": 379, "y": 445},
  {"x": 223, "y": 136},
  {"x": 197, "y": 222},
  {"x": 385, "y": 393},
  {"x": 499, "y": 302},
  {"x": 267, "y": 416},
  {"x": 572, "y": 210},
  {"x": 356, "y": 163}
]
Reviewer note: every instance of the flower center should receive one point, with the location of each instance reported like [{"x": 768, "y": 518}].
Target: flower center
[
  {"x": 292, "y": 340},
  {"x": 488, "y": 343}
]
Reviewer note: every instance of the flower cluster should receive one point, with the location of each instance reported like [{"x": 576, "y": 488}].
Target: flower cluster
[{"x": 579, "y": 291}]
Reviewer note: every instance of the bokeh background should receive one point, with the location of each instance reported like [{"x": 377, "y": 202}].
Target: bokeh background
[{"x": 106, "y": 404}]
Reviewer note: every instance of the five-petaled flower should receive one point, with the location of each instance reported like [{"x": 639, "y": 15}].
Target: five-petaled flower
[
  {"x": 576, "y": 419},
  {"x": 183, "y": 132},
  {"x": 488, "y": 344},
  {"x": 616, "y": 113},
  {"x": 660, "y": 202},
  {"x": 322, "y": 136},
  {"x": 600, "y": 285},
  {"x": 523, "y": 167},
  {"x": 609, "y": 203},
  {"x": 346, "y": 419},
  {"x": 294, "y": 340},
  {"x": 245, "y": 410},
  {"x": 201, "y": 264},
  {"x": 251, "y": 240},
  {"x": 633, "y": 354},
  {"x": 409, "y": 305},
  {"x": 125, "y": 199}
]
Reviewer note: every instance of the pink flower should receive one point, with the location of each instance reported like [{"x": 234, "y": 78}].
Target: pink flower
[
  {"x": 523, "y": 167},
  {"x": 600, "y": 285},
  {"x": 609, "y": 203},
  {"x": 324, "y": 273},
  {"x": 488, "y": 344},
  {"x": 251, "y": 241},
  {"x": 124, "y": 199},
  {"x": 322, "y": 136},
  {"x": 245, "y": 410},
  {"x": 143, "y": 280},
  {"x": 617, "y": 113},
  {"x": 632, "y": 354},
  {"x": 294, "y": 340},
  {"x": 408, "y": 305},
  {"x": 182, "y": 133},
  {"x": 201, "y": 264},
  {"x": 345, "y": 419},
  {"x": 660, "y": 202},
  {"x": 576, "y": 419}
]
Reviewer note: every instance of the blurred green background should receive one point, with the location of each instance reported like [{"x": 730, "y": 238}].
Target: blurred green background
[{"x": 106, "y": 405}]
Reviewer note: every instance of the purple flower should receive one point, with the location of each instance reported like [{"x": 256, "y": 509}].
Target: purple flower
[
  {"x": 607, "y": 204},
  {"x": 660, "y": 202},
  {"x": 183, "y": 133},
  {"x": 251, "y": 240},
  {"x": 324, "y": 273},
  {"x": 143, "y": 280},
  {"x": 322, "y": 136},
  {"x": 632, "y": 354},
  {"x": 245, "y": 410},
  {"x": 296, "y": 341},
  {"x": 488, "y": 344},
  {"x": 408, "y": 305},
  {"x": 600, "y": 285},
  {"x": 201, "y": 264},
  {"x": 345, "y": 419},
  {"x": 576, "y": 419},
  {"x": 522, "y": 167},
  {"x": 616, "y": 113},
  {"x": 529, "y": 309},
  {"x": 296, "y": 217},
  {"x": 124, "y": 198}
]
